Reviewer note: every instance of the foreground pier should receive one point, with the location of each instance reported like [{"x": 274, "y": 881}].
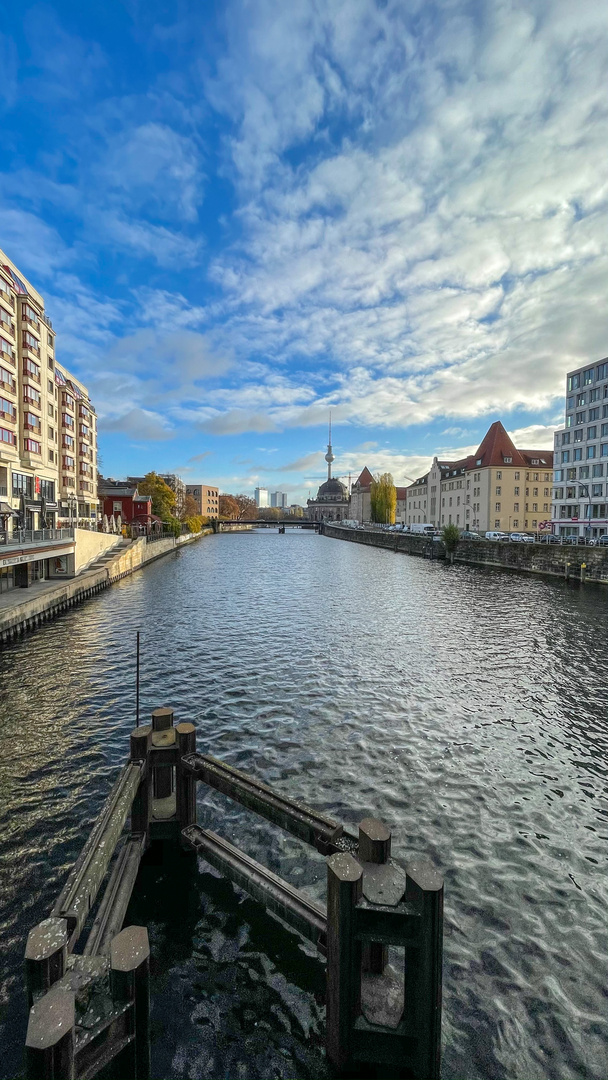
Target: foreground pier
[{"x": 91, "y": 1008}]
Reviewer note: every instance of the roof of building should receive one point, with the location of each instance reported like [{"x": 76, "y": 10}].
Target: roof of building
[
  {"x": 332, "y": 489},
  {"x": 401, "y": 492},
  {"x": 365, "y": 478},
  {"x": 495, "y": 450}
]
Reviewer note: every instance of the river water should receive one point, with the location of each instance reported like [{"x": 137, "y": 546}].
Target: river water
[{"x": 465, "y": 707}]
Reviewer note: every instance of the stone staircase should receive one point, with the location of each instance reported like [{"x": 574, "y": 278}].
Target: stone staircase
[{"x": 106, "y": 556}]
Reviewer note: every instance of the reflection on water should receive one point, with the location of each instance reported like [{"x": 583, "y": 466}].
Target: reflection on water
[{"x": 467, "y": 708}]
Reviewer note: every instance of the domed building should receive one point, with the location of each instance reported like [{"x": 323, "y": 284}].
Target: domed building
[{"x": 332, "y": 501}]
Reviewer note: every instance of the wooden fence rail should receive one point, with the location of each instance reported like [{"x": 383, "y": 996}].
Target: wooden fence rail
[{"x": 91, "y": 1008}]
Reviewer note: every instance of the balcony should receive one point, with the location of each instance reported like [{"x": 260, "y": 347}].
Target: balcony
[
  {"x": 29, "y": 347},
  {"x": 23, "y": 537},
  {"x": 8, "y": 327},
  {"x": 29, "y": 399},
  {"x": 31, "y": 371}
]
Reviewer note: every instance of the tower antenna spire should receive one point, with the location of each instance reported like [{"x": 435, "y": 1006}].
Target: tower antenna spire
[{"x": 329, "y": 457}]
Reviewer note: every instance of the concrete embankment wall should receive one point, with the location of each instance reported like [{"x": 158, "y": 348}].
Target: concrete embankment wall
[
  {"x": 557, "y": 560},
  {"x": 90, "y": 544},
  {"x": 28, "y": 612}
]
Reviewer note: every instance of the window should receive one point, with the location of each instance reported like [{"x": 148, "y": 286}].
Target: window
[
  {"x": 68, "y": 462},
  {"x": 580, "y": 417},
  {"x": 571, "y": 474},
  {"x": 32, "y": 396},
  {"x": 604, "y": 430},
  {"x": 31, "y": 446},
  {"x": 597, "y": 489},
  {"x": 497, "y": 523},
  {"x": 499, "y": 475},
  {"x": 498, "y": 490},
  {"x": 67, "y": 420},
  {"x": 591, "y": 452},
  {"x": 594, "y": 395},
  {"x": 565, "y": 438},
  {"x": 535, "y": 491},
  {"x": 497, "y": 508},
  {"x": 574, "y": 381},
  {"x": 571, "y": 493},
  {"x": 569, "y": 420},
  {"x": 7, "y": 409},
  {"x": 31, "y": 369},
  {"x": 558, "y": 474},
  {"x": 545, "y": 492},
  {"x": 565, "y": 456},
  {"x": 517, "y": 476},
  {"x": 588, "y": 377},
  {"x": 516, "y": 507},
  {"x": 68, "y": 442},
  {"x": 30, "y": 342},
  {"x": 50, "y": 363},
  {"x": 592, "y": 432},
  {"x": 597, "y": 470},
  {"x": 558, "y": 493},
  {"x": 594, "y": 414},
  {"x": 583, "y": 472},
  {"x": 535, "y": 509},
  {"x": 577, "y": 453},
  {"x": 601, "y": 372},
  {"x": 604, "y": 450},
  {"x": 50, "y": 340},
  {"x": 51, "y": 410},
  {"x": 31, "y": 421},
  {"x": 578, "y": 435},
  {"x": 604, "y": 411},
  {"x": 51, "y": 434},
  {"x": 516, "y": 491},
  {"x": 7, "y": 380},
  {"x": 51, "y": 455},
  {"x": 7, "y": 436}
]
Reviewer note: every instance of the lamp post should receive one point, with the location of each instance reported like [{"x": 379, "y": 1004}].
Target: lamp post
[{"x": 584, "y": 491}]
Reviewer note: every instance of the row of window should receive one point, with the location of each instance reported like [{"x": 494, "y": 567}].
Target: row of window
[
  {"x": 586, "y": 378},
  {"x": 592, "y": 433},
  {"x": 571, "y": 492},
  {"x": 590, "y": 453},
  {"x": 583, "y": 472}
]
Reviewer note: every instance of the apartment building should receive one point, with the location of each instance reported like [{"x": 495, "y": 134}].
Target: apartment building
[
  {"x": 580, "y": 495},
  {"x": 499, "y": 487},
  {"x": 207, "y": 499},
  {"x": 48, "y": 426}
]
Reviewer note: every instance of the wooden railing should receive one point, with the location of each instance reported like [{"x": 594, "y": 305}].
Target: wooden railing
[{"x": 92, "y": 1008}]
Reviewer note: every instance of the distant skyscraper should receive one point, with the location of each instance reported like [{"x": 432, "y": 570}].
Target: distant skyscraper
[
  {"x": 278, "y": 498},
  {"x": 261, "y": 496}
]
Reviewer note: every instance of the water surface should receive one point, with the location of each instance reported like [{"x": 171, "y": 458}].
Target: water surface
[{"x": 465, "y": 707}]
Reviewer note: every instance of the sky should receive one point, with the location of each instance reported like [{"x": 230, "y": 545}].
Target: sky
[{"x": 243, "y": 214}]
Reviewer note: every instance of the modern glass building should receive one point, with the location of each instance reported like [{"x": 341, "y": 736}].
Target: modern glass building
[{"x": 580, "y": 479}]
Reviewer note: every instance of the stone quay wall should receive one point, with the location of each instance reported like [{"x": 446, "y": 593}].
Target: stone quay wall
[
  {"x": 569, "y": 561},
  {"x": 27, "y": 613}
]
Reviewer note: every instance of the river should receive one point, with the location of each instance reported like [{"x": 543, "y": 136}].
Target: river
[{"x": 466, "y": 707}]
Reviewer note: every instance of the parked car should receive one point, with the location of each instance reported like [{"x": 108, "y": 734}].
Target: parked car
[
  {"x": 527, "y": 538},
  {"x": 495, "y": 535},
  {"x": 603, "y": 540},
  {"x": 549, "y": 538},
  {"x": 516, "y": 538},
  {"x": 466, "y": 534}
]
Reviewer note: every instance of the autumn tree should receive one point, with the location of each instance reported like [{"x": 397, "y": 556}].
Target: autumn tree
[
  {"x": 228, "y": 507},
  {"x": 383, "y": 497},
  {"x": 163, "y": 498},
  {"x": 247, "y": 508}
]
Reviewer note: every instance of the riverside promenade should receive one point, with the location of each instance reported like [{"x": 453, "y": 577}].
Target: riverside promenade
[
  {"x": 22, "y": 610},
  {"x": 583, "y": 564}
]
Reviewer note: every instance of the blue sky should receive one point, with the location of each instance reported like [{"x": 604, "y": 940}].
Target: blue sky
[{"x": 243, "y": 213}]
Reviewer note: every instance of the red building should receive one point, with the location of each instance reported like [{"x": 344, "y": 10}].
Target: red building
[{"x": 118, "y": 498}]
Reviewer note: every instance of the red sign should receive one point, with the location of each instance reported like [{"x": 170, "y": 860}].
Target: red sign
[{"x": 37, "y": 482}]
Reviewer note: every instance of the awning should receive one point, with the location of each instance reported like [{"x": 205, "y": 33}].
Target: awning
[{"x": 6, "y": 509}]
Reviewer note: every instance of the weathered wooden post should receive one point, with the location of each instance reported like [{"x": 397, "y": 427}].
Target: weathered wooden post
[
  {"x": 49, "y": 1043},
  {"x": 185, "y": 782},
  {"x": 130, "y": 983},
  {"x": 583, "y": 573},
  {"x": 141, "y": 741},
  {"x": 424, "y": 889},
  {"x": 162, "y": 720},
  {"x": 45, "y": 956},
  {"x": 374, "y": 847},
  {"x": 344, "y": 885}
]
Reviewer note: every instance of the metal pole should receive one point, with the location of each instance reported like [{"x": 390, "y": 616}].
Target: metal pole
[{"x": 137, "y": 684}]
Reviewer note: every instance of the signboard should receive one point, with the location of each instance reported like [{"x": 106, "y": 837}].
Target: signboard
[
  {"x": 33, "y": 556},
  {"x": 37, "y": 484}
]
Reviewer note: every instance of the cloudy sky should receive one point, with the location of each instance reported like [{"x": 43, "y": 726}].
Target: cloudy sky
[{"x": 244, "y": 213}]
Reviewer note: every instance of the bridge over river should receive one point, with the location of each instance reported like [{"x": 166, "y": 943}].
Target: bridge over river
[{"x": 465, "y": 707}]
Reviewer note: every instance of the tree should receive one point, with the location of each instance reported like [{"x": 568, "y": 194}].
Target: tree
[
  {"x": 190, "y": 509},
  {"x": 450, "y": 535},
  {"x": 229, "y": 507},
  {"x": 163, "y": 498},
  {"x": 383, "y": 498},
  {"x": 247, "y": 508}
]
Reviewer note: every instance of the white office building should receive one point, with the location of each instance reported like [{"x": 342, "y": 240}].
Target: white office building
[
  {"x": 278, "y": 498},
  {"x": 261, "y": 496},
  {"x": 580, "y": 492}
]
